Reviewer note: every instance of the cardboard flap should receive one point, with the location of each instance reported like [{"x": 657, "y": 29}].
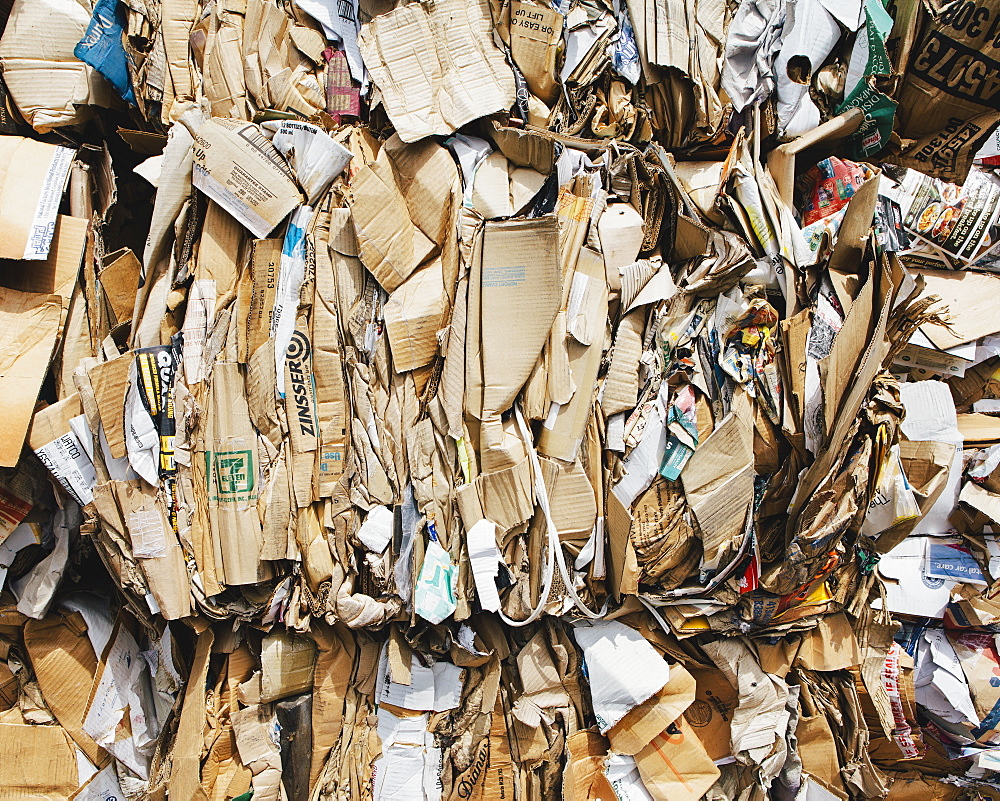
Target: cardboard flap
[
  {"x": 53, "y": 421},
  {"x": 781, "y": 160},
  {"x": 857, "y": 224},
  {"x": 389, "y": 244},
  {"x": 65, "y": 665},
  {"x": 110, "y": 383},
  {"x": 526, "y": 148},
  {"x": 29, "y": 326},
  {"x": 58, "y": 273},
  {"x": 414, "y": 313},
  {"x": 33, "y": 176},
  {"x": 521, "y": 292}
]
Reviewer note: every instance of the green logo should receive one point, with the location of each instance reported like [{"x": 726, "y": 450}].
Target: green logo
[{"x": 233, "y": 472}]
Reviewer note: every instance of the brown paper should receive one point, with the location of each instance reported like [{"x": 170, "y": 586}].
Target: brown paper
[{"x": 711, "y": 712}]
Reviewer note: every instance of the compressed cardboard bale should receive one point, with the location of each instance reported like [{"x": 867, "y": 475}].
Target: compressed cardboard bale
[{"x": 511, "y": 400}]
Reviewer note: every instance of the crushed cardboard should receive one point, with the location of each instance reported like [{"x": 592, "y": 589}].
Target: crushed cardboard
[{"x": 499, "y": 399}]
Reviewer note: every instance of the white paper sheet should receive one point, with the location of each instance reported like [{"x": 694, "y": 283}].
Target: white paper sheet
[{"x": 623, "y": 668}]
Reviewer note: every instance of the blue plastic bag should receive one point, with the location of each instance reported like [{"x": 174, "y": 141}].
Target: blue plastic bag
[{"x": 101, "y": 47}]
